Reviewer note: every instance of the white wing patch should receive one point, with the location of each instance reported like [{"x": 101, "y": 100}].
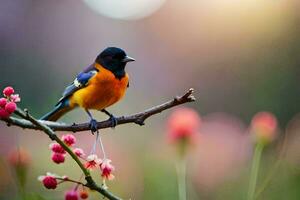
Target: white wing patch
[{"x": 77, "y": 83}]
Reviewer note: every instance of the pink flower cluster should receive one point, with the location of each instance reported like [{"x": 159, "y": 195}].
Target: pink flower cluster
[
  {"x": 58, "y": 152},
  {"x": 8, "y": 102},
  {"x": 50, "y": 181}
]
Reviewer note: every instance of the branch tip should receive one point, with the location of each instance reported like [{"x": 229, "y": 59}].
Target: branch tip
[{"x": 191, "y": 90}]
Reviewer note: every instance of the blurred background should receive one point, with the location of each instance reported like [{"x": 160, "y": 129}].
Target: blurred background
[{"x": 241, "y": 56}]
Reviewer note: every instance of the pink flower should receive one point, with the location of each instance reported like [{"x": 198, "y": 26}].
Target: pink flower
[
  {"x": 15, "y": 98},
  {"x": 8, "y": 91},
  {"x": 4, "y": 113},
  {"x": 71, "y": 195},
  {"x": 58, "y": 158},
  {"x": 79, "y": 152},
  {"x": 264, "y": 125},
  {"x": 49, "y": 181},
  {"x": 57, "y": 148},
  {"x": 69, "y": 139},
  {"x": 3, "y": 102},
  {"x": 11, "y": 107},
  {"x": 107, "y": 169},
  {"x": 92, "y": 161},
  {"x": 183, "y": 124}
]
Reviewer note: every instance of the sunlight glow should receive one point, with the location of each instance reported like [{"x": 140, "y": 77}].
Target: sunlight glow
[{"x": 128, "y": 10}]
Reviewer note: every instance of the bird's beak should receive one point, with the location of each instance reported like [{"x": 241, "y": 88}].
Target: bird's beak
[{"x": 128, "y": 59}]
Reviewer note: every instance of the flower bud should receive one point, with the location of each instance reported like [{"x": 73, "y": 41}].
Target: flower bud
[
  {"x": 15, "y": 98},
  {"x": 263, "y": 126},
  {"x": 57, "y": 148},
  {"x": 8, "y": 91},
  {"x": 58, "y": 158},
  {"x": 83, "y": 194},
  {"x": 69, "y": 139},
  {"x": 182, "y": 127},
  {"x": 3, "y": 102},
  {"x": 79, "y": 152},
  {"x": 19, "y": 158},
  {"x": 48, "y": 181},
  {"x": 183, "y": 124},
  {"x": 10, "y": 107},
  {"x": 71, "y": 195}
]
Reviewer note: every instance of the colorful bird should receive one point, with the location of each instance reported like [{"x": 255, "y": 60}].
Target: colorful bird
[{"x": 97, "y": 87}]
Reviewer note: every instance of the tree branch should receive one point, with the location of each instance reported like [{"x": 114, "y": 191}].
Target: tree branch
[
  {"x": 138, "y": 118},
  {"x": 90, "y": 182},
  {"x": 49, "y": 128}
]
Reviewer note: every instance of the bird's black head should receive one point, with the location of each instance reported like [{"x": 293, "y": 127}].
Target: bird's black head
[{"x": 114, "y": 59}]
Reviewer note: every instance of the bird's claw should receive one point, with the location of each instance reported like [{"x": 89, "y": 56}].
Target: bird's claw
[
  {"x": 114, "y": 121},
  {"x": 93, "y": 126}
]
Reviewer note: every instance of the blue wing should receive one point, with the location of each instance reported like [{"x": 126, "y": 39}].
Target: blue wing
[{"x": 81, "y": 81}]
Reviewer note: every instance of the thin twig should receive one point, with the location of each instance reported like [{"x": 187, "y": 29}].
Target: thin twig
[
  {"x": 138, "y": 118},
  {"x": 70, "y": 180}
]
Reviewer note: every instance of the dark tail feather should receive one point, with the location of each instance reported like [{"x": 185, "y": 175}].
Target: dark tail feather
[{"x": 57, "y": 112}]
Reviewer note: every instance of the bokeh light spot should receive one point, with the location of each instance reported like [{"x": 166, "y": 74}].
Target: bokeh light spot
[{"x": 128, "y": 10}]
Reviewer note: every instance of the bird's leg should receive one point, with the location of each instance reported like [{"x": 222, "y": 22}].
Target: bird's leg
[
  {"x": 112, "y": 118},
  {"x": 93, "y": 122}
]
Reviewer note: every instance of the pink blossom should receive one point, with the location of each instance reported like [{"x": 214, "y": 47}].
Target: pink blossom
[
  {"x": 57, "y": 148},
  {"x": 183, "y": 124},
  {"x": 92, "y": 161},
  {"x": 49, "y": 181},
  {"x": 3, "y": 102},
  {"x": 107, "y": 169},
  {"x": 79, "y": 152},
  {"x": 8, "y": 91},
  {"x": 58, "y": 158},
  {"x": 11, "y": 107},
  {"x": 4, "y": 113},
  {"x": 69, "y": 139},
  {"x": 15, "y": 98},
  {"x": 71, "y": 195}
]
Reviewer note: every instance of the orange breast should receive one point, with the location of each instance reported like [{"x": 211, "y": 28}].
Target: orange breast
[{"x": 102, "y": 91}]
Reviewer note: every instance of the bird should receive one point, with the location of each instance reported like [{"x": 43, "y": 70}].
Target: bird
[{"x": 98, "y": 86}]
